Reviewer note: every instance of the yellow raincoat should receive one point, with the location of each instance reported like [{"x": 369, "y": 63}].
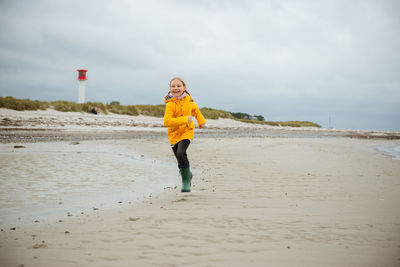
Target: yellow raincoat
[{"x": 176, "y": 118}]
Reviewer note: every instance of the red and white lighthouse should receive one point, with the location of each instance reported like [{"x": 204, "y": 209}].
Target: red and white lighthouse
[{"x": 82, "y": 84}]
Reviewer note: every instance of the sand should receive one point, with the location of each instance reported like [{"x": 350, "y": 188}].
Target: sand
[
  {"x": 255, "y": 201},
  {"x": 42, "y": 125}
]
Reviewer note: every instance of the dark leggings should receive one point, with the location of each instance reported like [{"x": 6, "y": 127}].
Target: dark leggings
[{"x": 180, "y": 153}]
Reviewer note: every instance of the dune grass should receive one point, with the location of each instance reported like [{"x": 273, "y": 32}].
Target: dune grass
[
  {"x": 115, "y": 107},
  {"x": 87, "y": 107},
  {"x": 210, "y": 113},
  {"x": 134, "y": 110},
  {"x": 151, "y": 110},
  {"x": 283, "y": 123},
  {"x": 22, "y": 104},
  {"x": 66, "y": 106}
]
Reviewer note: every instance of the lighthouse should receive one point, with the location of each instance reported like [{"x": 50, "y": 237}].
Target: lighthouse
[{"x": 82, "y": 84}]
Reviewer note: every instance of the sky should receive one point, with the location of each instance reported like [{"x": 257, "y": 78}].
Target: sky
[{"x": 336, "y": 63}]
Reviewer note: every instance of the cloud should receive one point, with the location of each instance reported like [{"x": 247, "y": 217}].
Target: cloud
[{"x": 265, "y": 57}]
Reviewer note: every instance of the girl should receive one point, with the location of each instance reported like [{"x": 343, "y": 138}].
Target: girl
[{"x": 179, "y": 110}]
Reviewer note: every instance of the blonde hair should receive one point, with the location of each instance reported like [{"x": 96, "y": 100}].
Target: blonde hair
[
  {"x": 184, "y": 84},
  {"x": 179, "y": 79}
]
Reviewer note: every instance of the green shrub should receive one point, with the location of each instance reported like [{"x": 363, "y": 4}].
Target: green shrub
[
  {"x": 259, "y": 117},
  {"x": 245, "y": 116},
  {"x": 241, "y": 115}
]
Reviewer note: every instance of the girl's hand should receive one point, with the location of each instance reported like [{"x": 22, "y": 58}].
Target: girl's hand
[
  {"x": 189, "y": 119},
  {"x": 202, "y": 125}
]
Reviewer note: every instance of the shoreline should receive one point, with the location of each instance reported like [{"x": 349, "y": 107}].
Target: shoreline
[{"x": 29, "y": 135}]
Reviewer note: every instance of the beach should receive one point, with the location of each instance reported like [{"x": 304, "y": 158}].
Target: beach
[{"x": 261, "y": 196}]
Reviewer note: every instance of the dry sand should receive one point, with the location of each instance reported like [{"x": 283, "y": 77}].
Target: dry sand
[{"x": 255, "y": 202}]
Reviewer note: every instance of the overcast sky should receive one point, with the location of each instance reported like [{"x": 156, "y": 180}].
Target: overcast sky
[{"x": 285, "y": 60}]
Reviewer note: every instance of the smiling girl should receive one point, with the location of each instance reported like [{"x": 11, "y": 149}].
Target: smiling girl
[{"x": 179, "y": 110}]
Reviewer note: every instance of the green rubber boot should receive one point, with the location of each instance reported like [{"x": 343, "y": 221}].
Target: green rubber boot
[{"x": 186, "y": 179}]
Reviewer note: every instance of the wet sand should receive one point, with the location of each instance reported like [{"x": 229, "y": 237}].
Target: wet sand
[
  {"x": 45, "y": 180},
  {"x": 256, "y": 201}
]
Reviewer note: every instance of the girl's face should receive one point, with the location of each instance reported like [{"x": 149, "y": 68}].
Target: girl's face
[{"x": 177, "y": 88}]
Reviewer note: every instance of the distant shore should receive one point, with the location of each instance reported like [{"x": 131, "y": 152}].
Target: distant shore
[{"x": 52, "y": 125}]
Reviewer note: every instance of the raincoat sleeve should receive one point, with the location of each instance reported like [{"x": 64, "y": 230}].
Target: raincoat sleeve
[
  {"x": 169, "y": 120},
  {"x": 197, "y": 113}
]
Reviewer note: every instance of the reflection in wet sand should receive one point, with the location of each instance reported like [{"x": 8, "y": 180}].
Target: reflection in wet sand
[{"x": 44, "y": 180}]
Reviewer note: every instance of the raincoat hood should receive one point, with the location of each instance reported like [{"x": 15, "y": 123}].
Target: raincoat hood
[{"x": 169, "y": 97}]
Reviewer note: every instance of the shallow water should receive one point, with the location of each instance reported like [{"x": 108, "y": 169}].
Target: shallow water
[
  {"x": 42, "y": 180},
  {"x": 391, "y": 149}
]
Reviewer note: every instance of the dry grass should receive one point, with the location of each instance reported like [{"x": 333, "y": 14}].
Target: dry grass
[
  {"x": 283, "y": 123},
  {"x": 115, "y": 107},
  {"x": 22, "y": 104},
  {"x": 210, "y": 113},
  {"x": 151, "y": 110}
]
